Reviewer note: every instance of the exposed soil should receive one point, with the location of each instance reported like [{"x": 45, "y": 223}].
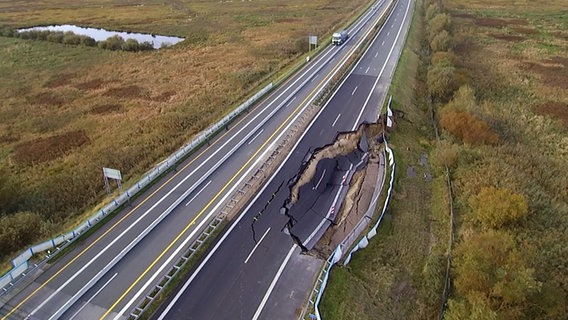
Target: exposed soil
[
  {"x": 552, "y": 75},
  {"x": 47, "y": 149},
  {"x": 525, "y": 30},
  {"x": 46, "y": 98},
  {"x": 106, "y": 108},
  {"x": 164, "y": 96},
  {"x": 556, "y": 110},
  {"x": 498, "y": 23},
  {"x": 60, "y": 81},
  {"x": 128, "y": 92},
  {"x": 508, "y": 37},
  {"x": 92, "y": 84}
]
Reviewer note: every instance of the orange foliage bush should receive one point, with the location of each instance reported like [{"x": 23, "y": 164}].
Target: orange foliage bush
[{"x": 467, "y": 127}]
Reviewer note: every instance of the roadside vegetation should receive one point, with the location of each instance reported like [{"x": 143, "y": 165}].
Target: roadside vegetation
[
  {"x": 68, "y": 110},
  {"x": 492, "y": 77}
]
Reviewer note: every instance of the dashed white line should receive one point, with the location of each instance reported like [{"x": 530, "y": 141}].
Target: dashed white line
[
  {"x": 334, "y": 122},
  {"x": 273, "y": 284},
  {"x": 256, "y": 136},
  {"x": 289, "y": 103},
  {"x": 91, "y": 299},
  {"x": 320, "y": 179},
  {"x": 383, "y": 43},
  {"x": 195, "y": 196},
  {"x": 388, "y": 33},
  {"x": 256, "y": 245},
  {"x": 376, "y": 54},
  {"x": 352, "y": 93},
  {"x": 367, "y": 69}
]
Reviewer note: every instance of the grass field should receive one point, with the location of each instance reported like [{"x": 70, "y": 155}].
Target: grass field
[{"x": 67, "y": 111}]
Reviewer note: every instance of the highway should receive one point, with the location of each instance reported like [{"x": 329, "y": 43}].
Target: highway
[
  {"x": 106, "y": 275},
  {"x": 238, "y": 276}
]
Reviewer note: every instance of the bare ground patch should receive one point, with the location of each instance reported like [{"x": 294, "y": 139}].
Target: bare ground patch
[
  {"x": 47, "y": 149},
  {"x": 557, "y": 110},
  {"x": 525, "y": 30},
  {"x": 106, "y": 108},
  {"x": 498, "y": 23},
  {"x": 508, "y": 37},
  {"x": 165, "y": 96},
  {"x": 128, "y": 92},
  {"x": 552, "y": 75},
  {"x": 60, "y": 81},
  {"x": 46, "y": 98},
  {"x": 91, "y": 84}
]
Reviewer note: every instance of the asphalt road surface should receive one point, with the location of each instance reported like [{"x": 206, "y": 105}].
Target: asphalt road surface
[
  {"x": 106, "y": 275},
  {"x": 237, "y": 277}
]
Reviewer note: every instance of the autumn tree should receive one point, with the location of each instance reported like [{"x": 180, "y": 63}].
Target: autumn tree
[
  {"x": 445, "y": 154},
  {"x": 491, "y": 273},
  {"x": 441, "y": 41},
  {"x": 439, "y": 22},
  {"x": 467, "y": 127},
  {"x": 496, "y": 207},
  {"x": 440, "y": 80}
]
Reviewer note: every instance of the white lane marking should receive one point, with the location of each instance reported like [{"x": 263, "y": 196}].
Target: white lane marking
[
  {"x": 91, "y": 299},
  {"x": 388, "y": 33},
  {"x": 382, "y": 44},
  {"x": 289, "y": 103},
  {"x": 256, "y": 136},
  {"x": 352, "y": 93},
  {"x": 257, "y": 244},
  {"x": 195, "y": 196},
  {"x": 376, "y": 54},
  {"x": 273, "y": 284},
  {"x": 366, "y": 71},
  {"x": 321, "y": 178},
  {"x": 334, "y": 122}
]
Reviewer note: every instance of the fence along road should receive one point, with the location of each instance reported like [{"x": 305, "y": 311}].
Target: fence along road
[{"x": 94, "y": 274}]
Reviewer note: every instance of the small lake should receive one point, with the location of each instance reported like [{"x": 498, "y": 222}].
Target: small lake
[{"x": 101, "y": 34}]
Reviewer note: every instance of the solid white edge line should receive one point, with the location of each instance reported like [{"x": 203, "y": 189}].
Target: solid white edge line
[
  {"x": 273, "y": 283},
  {"x": 256, "y": 245},
  {"x": 320, "y": 179},
  {"x": 91, "y": 299},
  {"x": 197, "y": 194}
]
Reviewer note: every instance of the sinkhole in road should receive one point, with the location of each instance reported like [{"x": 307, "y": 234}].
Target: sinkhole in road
[{"x": 332, "y": 189}]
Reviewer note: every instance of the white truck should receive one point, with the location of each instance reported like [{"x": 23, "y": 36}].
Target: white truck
[{"x": 338, "y": 38}]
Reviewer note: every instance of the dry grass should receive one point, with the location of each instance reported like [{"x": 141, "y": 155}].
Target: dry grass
[{"x": 134, "y": 108}]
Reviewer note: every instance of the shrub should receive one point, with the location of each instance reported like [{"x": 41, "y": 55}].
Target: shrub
[
  {"x": 439, "y": 22},
  {"x": 6, "y": 31},
  {"x": 114, "y": 43},
  {"x": 88, "y": 41},
  {"x": 130, "y": 45},
  {"x": 55, "y": 37},
  {"x": 19, "y": 230},
  {"x": 440, "y": 80},
  {"x": 71, "y": 38},
  {"x": 467, "y": 127},
  {"x": 493, "y": 207},
  {"x": 441, "y": 42}
]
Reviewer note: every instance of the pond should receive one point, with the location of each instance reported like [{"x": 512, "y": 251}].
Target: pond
[{"x": 101, "y": 34}]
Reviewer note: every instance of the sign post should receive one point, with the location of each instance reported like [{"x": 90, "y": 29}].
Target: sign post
[{"x": 112, "y": 174}]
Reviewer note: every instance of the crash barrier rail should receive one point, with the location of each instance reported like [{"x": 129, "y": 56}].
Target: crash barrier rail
[
  {"x": 20, "y": 263},
  {"x": 337, "y": 254}
]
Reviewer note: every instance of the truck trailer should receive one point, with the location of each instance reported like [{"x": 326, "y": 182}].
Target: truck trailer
[{"x": 338, "y": 38}]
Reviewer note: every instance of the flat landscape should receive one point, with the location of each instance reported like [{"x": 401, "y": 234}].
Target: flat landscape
[{"x": 67, "y": 111}]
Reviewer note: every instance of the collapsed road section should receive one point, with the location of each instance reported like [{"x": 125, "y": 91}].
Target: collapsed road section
[{"x": 328, "y": 184}]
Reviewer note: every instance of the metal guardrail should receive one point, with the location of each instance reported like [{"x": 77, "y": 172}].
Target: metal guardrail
[{"x": 20, "y": 262}]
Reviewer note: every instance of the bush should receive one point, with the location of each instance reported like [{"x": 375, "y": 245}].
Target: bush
[
  {"x": 71, "y": 38},
  {"x": 88, "y": 41},
  {"x": 439, "y": 22},
  {"x": 441, "y": 42},
  {"x": 55, "y": 37},
  {"x": 130, "y": 45},
  {"x": 114, "y": 43},
  {"x": 6, "y": 31},
  {"x": 467, "y": 127},
  {"x": 440, "y": 80},
  {"x": 494, "y": 208}
]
